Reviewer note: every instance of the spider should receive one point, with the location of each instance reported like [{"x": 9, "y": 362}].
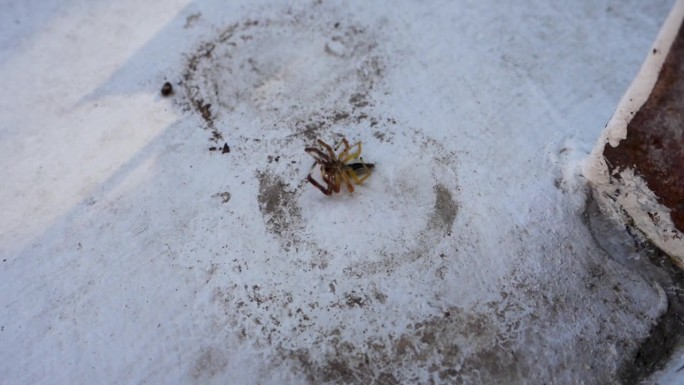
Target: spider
[{"x": 335, "y": 169}]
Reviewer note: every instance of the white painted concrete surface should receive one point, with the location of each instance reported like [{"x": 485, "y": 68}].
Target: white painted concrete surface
[{"x": 130, "y": 253}]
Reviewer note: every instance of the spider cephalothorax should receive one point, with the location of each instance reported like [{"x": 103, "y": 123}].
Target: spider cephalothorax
[{"x": 336, "y": 169}]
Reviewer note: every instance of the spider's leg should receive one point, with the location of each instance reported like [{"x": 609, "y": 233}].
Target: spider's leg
[
  {"x": 363, "y": 178},
  {"x": 319, "y": 155},
  {"x": 355, "y": 177},
  {"x": 344, "y": 152},
  {"x": 331, "y": 152},
  {"x": 337, "y": 182},
  {"x": 337, "y": 146},
  {"x": 324, "y": 190},
  {"x": 366, "y": 167},
  {"x": 328, "y": 177},
  {"x": 344, "y": 175},
  {"x": 353, "y": 155},
  {"x": 359, "y": 172}
]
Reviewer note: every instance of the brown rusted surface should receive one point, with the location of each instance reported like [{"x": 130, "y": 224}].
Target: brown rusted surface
[{"x": 654, "y": 146}]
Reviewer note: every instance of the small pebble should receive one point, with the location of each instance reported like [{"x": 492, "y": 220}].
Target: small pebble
[{"x": 167, "y": 89}]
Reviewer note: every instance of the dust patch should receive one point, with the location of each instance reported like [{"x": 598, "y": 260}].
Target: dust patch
[
  {"x": 498, "y": 341},
  {"x": 280, "y": 210},
  {"x": 211, "y": 361},
  {"x": 278, "y": 203},
  {"x": 445, "y": 210},
  {"x": 330, "y": 124},
  {"x": 264, "y": 316},
  {"x": 605, "y": 302},
  {"x": 456, "y": 347},
  {"x": 224, "y": 196},
  {"x": 354, "y": 299},
  {"x": 418, "y": 244},
  {"x": 304, "y": 70}
]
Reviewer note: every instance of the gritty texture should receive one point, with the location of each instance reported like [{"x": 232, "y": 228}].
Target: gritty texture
[
  {"x": 237, "y": 73},
  {"x": 192, "y": 250},
  {"x": 247, "y": 69},
  {"x": 279, "y": 208},
  {"x": 633, "y": 250},
  {"x": 445, "y": 209}
]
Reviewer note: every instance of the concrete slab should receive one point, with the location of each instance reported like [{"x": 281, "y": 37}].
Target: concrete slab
[{"x": 136, "y": 249}]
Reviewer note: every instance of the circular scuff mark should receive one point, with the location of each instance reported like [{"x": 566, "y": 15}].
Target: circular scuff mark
[
  {"x": 272, "y": 87},
  {"x": 298, "y": 71},
  {"x": 418, "y": 193},
  {"x": 278, "y": 85}
]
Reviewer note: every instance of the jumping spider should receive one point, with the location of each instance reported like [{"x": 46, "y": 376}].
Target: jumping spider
[{"x": 335, "y": 169}]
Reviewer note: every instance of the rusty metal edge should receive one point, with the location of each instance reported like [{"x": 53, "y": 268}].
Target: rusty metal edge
[{"x": 624, "y": 194}]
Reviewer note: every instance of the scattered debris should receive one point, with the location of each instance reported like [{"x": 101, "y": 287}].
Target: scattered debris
[
  {"x": 224, "y": 150},
  {"x": 225, "y": 196},
  {"x": 167, "y": 89}
]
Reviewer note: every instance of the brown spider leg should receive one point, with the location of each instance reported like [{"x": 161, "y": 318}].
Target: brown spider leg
[
  {"x": 318, "y": 155},
  {"x": 323, "y": 159},
  {"x": 334, "y": 181},
  {"x": 345, "y": 176},
  {"x": 329, "y": 180},
  {"x": 325, "y": 145},
  {"x": 324, "y": 190},
  {"x": 328, "y": 174}
]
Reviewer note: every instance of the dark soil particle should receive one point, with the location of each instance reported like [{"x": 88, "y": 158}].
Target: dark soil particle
[{"x": 167, "y": 89}]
